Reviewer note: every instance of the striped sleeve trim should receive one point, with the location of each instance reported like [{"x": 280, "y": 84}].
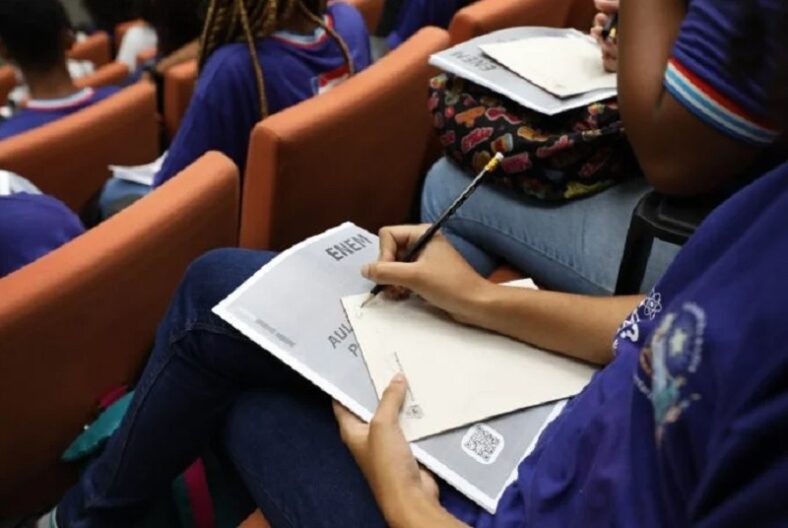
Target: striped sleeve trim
[{"x": 714, "y": 108}]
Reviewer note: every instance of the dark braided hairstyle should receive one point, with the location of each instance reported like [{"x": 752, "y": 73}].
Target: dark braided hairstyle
[{"x": 250, "y": 20}]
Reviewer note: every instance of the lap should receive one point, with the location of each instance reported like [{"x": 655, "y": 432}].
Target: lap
[{"x": 572, "y": 246}]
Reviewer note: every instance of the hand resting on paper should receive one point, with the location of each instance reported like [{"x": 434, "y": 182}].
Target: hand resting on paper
[
  {"x": 406, "y": 494},
  {"x": 609, "y": 46}
]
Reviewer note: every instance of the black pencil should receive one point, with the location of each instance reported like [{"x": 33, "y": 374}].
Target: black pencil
[
  {"x": 610, "y": 29},
  {"x": 421, "y": 243}
]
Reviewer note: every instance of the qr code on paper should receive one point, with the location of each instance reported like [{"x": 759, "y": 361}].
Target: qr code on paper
[{"x": 483, "y": 443}]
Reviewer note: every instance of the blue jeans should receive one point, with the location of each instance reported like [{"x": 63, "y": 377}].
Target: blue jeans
[
  {"x": 203, "y": 379},
  {"x": 574, "y": 246},
  {"x": 118, "y": 194}
]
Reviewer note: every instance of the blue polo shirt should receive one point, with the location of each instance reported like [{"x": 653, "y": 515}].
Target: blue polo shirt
[
  {"x": 41, "y": 112},
  {"x": 417, "y": 14},
  {"x": 688, "y": 425},
  {"x": 32, "y": 225},
  {"x": 226, "y": 107}
]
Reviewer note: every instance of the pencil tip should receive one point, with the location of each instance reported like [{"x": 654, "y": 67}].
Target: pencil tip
[{"x": 367, "y": 300}]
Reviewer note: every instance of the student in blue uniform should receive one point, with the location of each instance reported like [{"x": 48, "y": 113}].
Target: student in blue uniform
[
  {"x": 31, "y": 224},
  {"x": 416, "y": 14},
  {"x": 695, "y": 123},
  {"x": 283, "y": 57},
  {"x": 35, "y": 36},
  {"x": 684, "y": 425}
]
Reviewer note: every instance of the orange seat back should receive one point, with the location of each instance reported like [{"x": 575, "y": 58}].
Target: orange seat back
[
  {"x": 355, "y": 153},
  {"x": 179, "y": 83},
  {"x": 7, "y": 83},
  {"x": 112, "y": 74},
  {"x": 69, "y": 158},
  {"x": 96, "y": 48},
  {"x": 486, "y": 16},
  {"x": 81, "y": 320}
]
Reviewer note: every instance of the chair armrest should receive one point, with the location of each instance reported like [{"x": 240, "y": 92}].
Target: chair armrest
[
  {"x": 112, "y": 74},
  {"x": 486, "y": 16},
  {"x": 82, "y": 319}
]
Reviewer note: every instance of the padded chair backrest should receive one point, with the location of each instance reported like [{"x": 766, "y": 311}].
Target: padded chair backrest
[
  {"x": 7, "y": 83},
  {"x": 69, "y": 158},
  {"x": 179, "y": 83},
  {"x": 96, "y": 49},
  {"x": 355, "y": 153},
  {"x": 81, "y": 320},
  {"x": 112, "y": 74},
  {"x": 371, "y": 10},
  {"x": 486, "y": 16}
]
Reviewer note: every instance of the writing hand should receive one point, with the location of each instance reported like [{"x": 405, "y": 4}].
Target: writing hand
[{"x": 441, "y": 276}]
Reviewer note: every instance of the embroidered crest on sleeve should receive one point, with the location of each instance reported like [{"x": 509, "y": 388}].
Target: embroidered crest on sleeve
[{"x": 667, "y": 362}]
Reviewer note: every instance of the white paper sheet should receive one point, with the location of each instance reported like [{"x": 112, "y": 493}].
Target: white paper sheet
[
  {"x": 468, "y": 61},
  {"x": 564, "y": 66},
  {"x": 457, "y": 374},
  {"x": 141, "y": 174},
  {"x": 292, "y": 309}
]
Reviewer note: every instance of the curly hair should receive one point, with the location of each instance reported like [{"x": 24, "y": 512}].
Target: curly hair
[{"x": 247, "y": 21}]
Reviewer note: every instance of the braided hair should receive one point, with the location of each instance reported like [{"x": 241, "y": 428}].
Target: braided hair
[{"x": 247, "y": 21}]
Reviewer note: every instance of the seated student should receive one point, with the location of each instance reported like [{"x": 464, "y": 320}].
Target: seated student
[
  {"x": 31, "y": 224},
  {"x": 416, "y": 14},
  {"x": 671, "y": 94},
  {"x": 668, "y": 433},
  {"x": 35, "y": 35},
  {"x": 290, "y": 51}
]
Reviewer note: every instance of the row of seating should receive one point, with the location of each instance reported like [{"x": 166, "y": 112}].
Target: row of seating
[{"x": 89, "y": 310}]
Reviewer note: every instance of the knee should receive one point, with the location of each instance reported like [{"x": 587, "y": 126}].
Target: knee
[
  {"x": 216, "y": 274},
  {"x": 444, "y": 182}
]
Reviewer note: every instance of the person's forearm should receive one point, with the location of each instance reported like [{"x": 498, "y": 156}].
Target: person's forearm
[{"x": 575, "y": 325}]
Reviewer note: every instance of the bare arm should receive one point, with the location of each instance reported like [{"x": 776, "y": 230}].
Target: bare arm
[
  {"x": 659, "y": 127},
  {"x": 575, "y": 325}
]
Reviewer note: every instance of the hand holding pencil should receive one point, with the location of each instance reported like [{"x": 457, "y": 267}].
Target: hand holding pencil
[{"x": 421, "y": 260}]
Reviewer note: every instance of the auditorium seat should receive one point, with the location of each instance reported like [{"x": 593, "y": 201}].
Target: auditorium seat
[
  {"x": 69, "y": 158},
  {"x": 355, "y": 153},
  {"x": 111, "y": 74},
  {"x": 7, "y": 83},
  {"x": 96, "y": 48},
  {"x": 180, "y": 80},
  {"x": 486, "y": 16},
  {"x": 81, "y": 321},
  {"x": 179, "y": 83}
]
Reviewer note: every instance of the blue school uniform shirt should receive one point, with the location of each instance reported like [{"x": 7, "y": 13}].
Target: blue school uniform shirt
[
  {"x": 41, "y": 112},
  {"x": 32, "y": 225},
  {"x": 417, "y": 14},
  {"x": 688, "y": 424},
  {"x": 225, "y": 106}
]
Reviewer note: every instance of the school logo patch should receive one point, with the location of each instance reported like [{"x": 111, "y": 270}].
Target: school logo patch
[{"x": 672, "y": 355}]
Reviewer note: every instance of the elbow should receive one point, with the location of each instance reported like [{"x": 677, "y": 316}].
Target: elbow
[{"x": 673, "y": 179}]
